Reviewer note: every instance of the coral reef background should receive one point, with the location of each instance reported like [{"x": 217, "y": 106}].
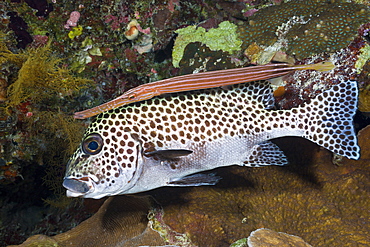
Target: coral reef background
[{"x": 59, "y": 57}]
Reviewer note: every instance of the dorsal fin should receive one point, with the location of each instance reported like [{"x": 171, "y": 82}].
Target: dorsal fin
[{"x": 261, "y": 92}]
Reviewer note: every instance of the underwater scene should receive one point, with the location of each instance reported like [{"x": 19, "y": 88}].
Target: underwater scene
[{"x": 184, "y": 123}]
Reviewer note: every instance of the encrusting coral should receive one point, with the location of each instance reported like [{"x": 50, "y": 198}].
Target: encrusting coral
[
  {"x": 364, "y": 99},
  {"x": 199, "y": 58},
  {"x": 306, "y": 27},
  {"x": 364, "y": 78},
  {"x": 224, "y": 38}
]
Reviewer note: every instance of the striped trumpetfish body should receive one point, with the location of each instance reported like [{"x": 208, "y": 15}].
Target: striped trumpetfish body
[{"x": 166, "y": 140}]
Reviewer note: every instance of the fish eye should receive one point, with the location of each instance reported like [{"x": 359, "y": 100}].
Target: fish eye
[
  {"x": 92, "y": 144},
  {"x": 132, "y": 96}
]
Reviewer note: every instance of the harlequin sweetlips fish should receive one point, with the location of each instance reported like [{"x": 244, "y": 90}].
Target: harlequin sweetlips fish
[{"x": 168, "y": 140}]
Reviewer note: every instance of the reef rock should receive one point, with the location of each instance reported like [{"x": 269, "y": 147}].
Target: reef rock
[
  {"x": 120, "y": 222},
  {"x": 38, "y": 241},
  {"x": 269, "y": 238}
]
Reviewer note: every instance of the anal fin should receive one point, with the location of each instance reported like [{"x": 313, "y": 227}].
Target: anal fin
[{"x": 264, "y": 154}]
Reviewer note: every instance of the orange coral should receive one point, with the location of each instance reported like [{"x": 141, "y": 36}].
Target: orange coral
[{"x": 132, "y": 30}]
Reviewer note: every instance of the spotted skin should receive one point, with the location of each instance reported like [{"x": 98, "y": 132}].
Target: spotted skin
[{"x": 220, "y": 127}]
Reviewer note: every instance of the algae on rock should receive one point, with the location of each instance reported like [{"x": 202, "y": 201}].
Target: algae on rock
[
  {"x": 223, "y": 38},
  {"x": 42, "y": 76}
]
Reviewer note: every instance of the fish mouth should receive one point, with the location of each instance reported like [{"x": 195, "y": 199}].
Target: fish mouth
[{"x": 78, "y": 187}]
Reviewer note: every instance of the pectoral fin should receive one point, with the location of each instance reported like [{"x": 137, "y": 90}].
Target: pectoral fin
[
  {"x": 169, "y": 153},
  {"x": 195, "y": 180}
]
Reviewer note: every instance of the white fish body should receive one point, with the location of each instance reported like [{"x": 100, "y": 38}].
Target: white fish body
[{"x": 166, "y": 140}]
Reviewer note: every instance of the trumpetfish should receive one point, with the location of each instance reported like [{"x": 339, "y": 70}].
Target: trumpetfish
[{"x": 202, "y": 80}]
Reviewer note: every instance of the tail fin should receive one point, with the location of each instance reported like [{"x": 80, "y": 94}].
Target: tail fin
[
  {"x": 322, "y": 67},
  {"x": 329, "y": 121}
]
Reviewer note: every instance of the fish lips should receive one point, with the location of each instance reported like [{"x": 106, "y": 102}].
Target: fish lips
[{"x": 78, "y": 187}]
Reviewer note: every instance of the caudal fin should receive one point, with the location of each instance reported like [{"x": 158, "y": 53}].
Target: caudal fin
[{"x": 329, "y": 119}]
